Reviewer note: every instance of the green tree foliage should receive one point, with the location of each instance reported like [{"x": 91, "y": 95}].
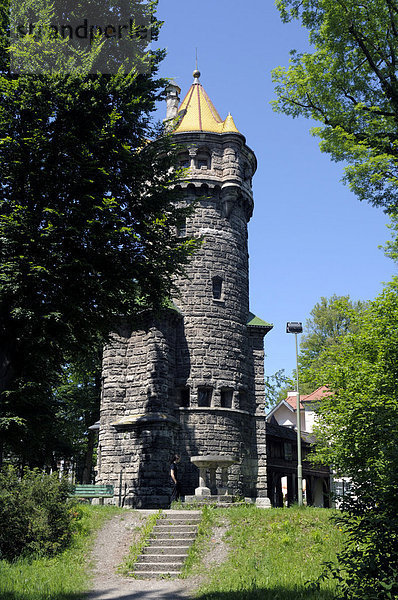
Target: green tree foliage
[
  {"x": 34, "y": 514},
  {"x": 275, "y": 387},
  {"x": 71, "y": 408},
  {"x": 331, "y": 319},
  {"x": 77, "y": 403},
  {"x": 349, "y": 84},
  {"x": 88, "y": 218},
  {"x": 358, "y": 435},
  {"x": 391, "y": 246}
]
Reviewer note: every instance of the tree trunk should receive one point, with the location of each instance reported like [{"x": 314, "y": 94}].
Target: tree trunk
[{"x": 88, "y": 459}]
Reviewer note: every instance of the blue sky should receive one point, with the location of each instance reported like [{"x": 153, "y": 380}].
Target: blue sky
[{"x": 309, "y": 235}]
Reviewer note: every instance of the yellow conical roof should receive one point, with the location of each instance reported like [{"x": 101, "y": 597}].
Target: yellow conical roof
[{"x": 197, "y": 112}]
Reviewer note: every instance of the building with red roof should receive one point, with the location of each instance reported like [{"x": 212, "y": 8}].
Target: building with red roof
[{"x": 284, "y": 413}]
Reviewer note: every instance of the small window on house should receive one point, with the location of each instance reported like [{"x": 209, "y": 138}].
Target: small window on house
[
  {"x": 204, "y": 396},
  {"x": 226, "y": 398},
  {"x": 217, "y": 288},
  {"x": 183, "y": 397},
  {"x": 287, "y": 451}
]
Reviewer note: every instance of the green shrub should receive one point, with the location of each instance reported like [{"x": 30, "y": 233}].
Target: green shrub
[
  {"x": 367, "y": 567},
  {"x": 35, "y": 515}
]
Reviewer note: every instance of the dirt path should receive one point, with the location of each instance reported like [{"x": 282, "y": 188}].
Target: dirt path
[{"x": 112, "y": 544}]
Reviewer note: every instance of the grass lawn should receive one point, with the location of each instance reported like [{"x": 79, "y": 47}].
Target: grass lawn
[
  {"x": 63, "y": 577},
  {"x": 273, "y": 553}
]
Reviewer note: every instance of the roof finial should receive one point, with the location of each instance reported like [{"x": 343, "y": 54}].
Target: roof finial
[{"x": 196, "y": 73}]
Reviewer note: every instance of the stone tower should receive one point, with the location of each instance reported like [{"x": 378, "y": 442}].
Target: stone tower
[{"x": 192, "y": 381}]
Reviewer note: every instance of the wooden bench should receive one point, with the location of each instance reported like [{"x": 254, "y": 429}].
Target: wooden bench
[{"x": 90, "y": 491}]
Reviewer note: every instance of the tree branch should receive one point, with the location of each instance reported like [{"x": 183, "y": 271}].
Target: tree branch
[
  {"x": 392, "y": 6},
  {"x": 395, "y": 34},
  {"x": 382, "y": 113},
  {"x": 360, "y": 38},
  {"x": 384, "y": 84}
]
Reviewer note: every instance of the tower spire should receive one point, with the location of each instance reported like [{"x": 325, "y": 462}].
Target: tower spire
[
  {"x": 196, "y": 73},
  {"x": 198, "y": 113}
]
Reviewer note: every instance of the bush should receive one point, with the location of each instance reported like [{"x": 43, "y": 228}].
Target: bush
[{"x": 35, "y": 516}]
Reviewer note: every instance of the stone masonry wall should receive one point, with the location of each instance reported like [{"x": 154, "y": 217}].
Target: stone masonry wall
[
  {"x": 215, "y": 349},
  {"x": 138, "y": 381},
  {"x": 228, "y": 432},
  {"x": 193, "y": 381}
]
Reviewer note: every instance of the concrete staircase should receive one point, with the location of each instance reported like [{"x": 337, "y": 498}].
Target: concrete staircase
[{"x": 168, "y": 547}]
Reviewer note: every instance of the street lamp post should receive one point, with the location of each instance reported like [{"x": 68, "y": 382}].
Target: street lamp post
[{"x": 295, "y": 327}]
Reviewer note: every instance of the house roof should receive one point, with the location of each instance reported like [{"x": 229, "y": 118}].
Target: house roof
[
  {"x": 281, "y": 403},
  {"x": 254, "y": 321},
  {"x": 291, "y": 403},
  {"x": 318, "y": 394},
  {"x": 197, "y": 112}
]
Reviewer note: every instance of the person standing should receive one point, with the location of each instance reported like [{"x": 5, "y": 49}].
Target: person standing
[{"x": 176, "y": 493}]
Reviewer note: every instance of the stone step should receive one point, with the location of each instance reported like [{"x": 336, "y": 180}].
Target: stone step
[
  {"x": 156, "y": 567},
  {"x": 168, "y": 546},
  {"x": 167, "y": 550},
  {"x": 161, "y": 558},
  {"x": 175, "y": 542},
  {"x": 156, "y": 574},
  {"x": 213, "y": 499},
  {"x": 175, "y": 529},
  {"x": 181, "y": 516},
  {"x": 184, "y": 518},
  {"x": 181, "y": 513},
  {"x": 182, "y": 535},
  {"x": 169, "y": 522}
]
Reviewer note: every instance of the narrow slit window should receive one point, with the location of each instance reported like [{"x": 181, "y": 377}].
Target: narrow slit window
[
  {"x": 243, "y": 400},
  {"x": 182, "y": 228},
  {"x": 183, "y": 397},
  {"x": 226, "y": 398},
  {"x": 204, "y": 396},
  {"x": 217, "y": 288}
]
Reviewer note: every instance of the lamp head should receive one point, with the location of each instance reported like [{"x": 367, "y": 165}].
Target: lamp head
[{"x": 294, "y": 327}]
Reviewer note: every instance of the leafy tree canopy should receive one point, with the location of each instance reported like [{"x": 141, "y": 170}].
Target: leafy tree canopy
[
  {"x": 331, "y": 319},
  {"x": 391, "y": 246},
  {"x": 349, "y": 84},
  {"x": 76, "y": 409},
  {"x": 358, "y": 434},
  {"x": 88, "y": 217}
]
